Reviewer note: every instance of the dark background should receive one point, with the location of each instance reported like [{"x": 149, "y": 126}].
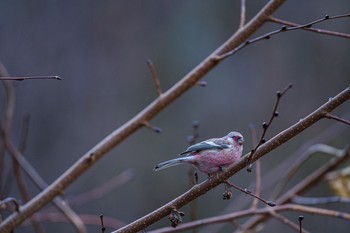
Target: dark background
[{"x": 100, "y": 48}]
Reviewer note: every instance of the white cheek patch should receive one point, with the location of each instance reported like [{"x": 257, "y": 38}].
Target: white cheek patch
[{"x": 230, "y": 140}]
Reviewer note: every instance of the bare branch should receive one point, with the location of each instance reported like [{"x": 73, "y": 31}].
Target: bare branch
[
  {"x": 29, "y": 78},
  {"x": 104, "y": 188},
  {"x": 202, "y": 83},
  {"x": 281, "y": 30},
  {"x": 330, "y": 116},
  {"x": 266, "y": 126},
  {"x": 257, "y": 168},
  {"x": 103, "y": 229},
  {"x": 154, "y": 76},
  {"x": 152, "y": 127},
  {"x": 301, "y": 218},
  {"x": 243, "y": 13},
  {"x": 263, "y": 212},
  {"x": 51, "y": 217},
  {"x": 269, "y": 203},
  {"x": 319, "y": 200},
  {"x": 311, "y": 29},
  {"x": 286, "y": 221},
  {"x": 3, "y": 203}
]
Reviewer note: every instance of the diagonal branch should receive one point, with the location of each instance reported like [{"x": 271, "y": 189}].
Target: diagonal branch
[{"x": 311, "y": 29}]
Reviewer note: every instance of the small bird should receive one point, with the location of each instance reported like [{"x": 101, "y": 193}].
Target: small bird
[{"x": 210, "y": 156}]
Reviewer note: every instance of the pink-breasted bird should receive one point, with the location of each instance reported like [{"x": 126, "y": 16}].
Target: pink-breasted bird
[{"x": 210, "y": 156}]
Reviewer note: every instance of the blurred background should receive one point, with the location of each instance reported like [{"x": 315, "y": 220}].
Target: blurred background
[{"x": 100, "y": 49}]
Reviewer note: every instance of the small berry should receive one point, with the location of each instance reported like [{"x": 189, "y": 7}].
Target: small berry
[{"x": 227, "y": 195}]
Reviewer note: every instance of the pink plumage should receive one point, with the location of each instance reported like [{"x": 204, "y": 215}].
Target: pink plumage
[{"x": 210, "y": 156}]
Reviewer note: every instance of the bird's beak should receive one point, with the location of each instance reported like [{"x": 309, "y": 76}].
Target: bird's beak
[{"x": 240, "y": 141}]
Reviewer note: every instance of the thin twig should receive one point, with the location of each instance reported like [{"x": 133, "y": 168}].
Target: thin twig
[
  {"x": 257, "y": 168},
  {"x": 117, "y": 136},
  {"x": 273, "y": 33},
  {"x": 120, "y": 134},
  {"x": 155, "y": 129},
  {"x": 11, "y": 100},
  {"x": 22, "y": 186},
  {"x": 39, "y": 181},
  {"x": 286, "y": 221},
  {"x": 57, "y": 217},
  {"x": 103, "y": 229},
  {"x": 202, "y": 83},
  {"x": 243, "y": 13},
  {"x": 330, "y": 116},
  {"x": 4, "y": 203},
  {"x": 317, "y": 148},
  {"x": 269, "y": 203},
  {"x": 155, "y": 77},
  {"x": 317, "y": 30},
  {"x": 319, "y": 200},
  {"x": 29, "y": 78},
  {"x": 10, "y": 108},
  {"x": 104, "y": 188},
  {"x": 301, "y": 218},
  {"x": 266, "y": 126}
]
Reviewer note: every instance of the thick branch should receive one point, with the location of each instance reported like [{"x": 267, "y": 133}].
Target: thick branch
[{"x": 120, "y": 134}]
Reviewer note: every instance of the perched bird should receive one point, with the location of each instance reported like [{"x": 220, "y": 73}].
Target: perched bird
[{"x": 210, "y": 156}]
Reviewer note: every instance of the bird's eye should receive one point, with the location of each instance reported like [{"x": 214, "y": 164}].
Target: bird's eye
[{"x": 238, "y": 139}]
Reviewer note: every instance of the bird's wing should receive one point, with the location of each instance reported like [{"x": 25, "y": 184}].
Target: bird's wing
[{"x": 206, "y": 145}]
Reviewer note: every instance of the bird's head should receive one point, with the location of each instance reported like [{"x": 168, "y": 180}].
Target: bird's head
[{"x": 236, "y": 137}]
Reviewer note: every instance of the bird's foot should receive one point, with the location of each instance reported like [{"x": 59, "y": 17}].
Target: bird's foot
[{"x": 223, "y": 168}]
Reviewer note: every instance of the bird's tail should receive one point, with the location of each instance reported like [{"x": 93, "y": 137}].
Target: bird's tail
[{"x": 171, "y": 163}]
